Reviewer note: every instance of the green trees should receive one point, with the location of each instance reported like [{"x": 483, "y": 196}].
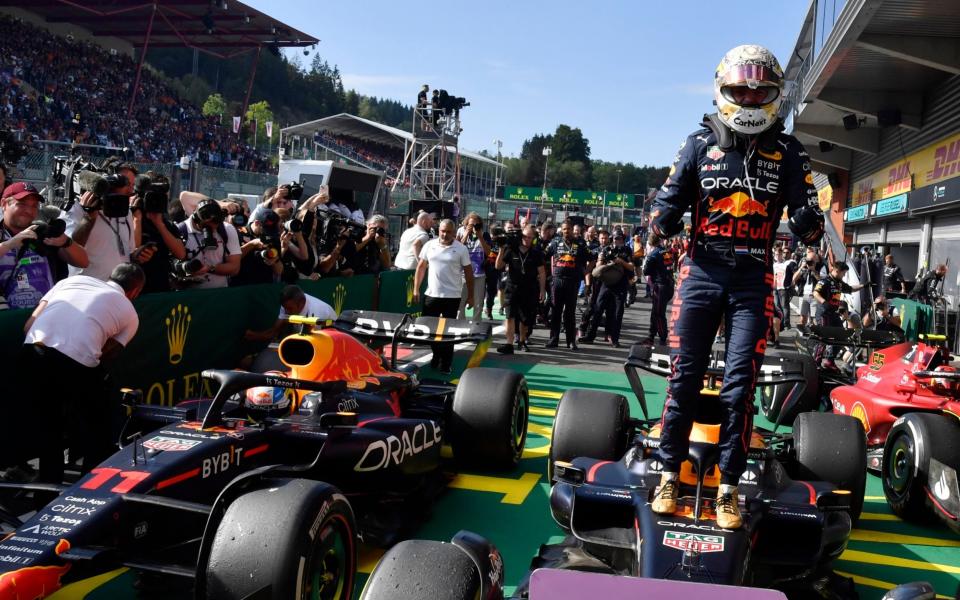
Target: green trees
[{"x": 571, "y": 167}]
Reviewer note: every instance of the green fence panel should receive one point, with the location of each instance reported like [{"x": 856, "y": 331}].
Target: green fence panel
[
  {"x": 396, "y": 292},
  {"x": 915, "y": 317}
]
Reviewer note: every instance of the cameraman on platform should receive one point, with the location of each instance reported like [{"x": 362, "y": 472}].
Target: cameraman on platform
[
  {"x": 28, "y": 266},
  {"x": 157, "y": 231},
  {"x": 373, "y": 254},
  {"x": 260, "y": 253},
  {"x": 213, "y": 243},
  {"x": 525, "y": 286}
]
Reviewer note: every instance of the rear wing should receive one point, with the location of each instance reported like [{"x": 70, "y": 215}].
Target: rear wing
[
  {"x": 862, "y": 338},
  {"x": 382, "y": 326},
  {"x": 773, "y": 371}
]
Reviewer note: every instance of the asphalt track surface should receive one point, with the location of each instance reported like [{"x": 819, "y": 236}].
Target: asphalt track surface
[{"x": 512, "y": 510}]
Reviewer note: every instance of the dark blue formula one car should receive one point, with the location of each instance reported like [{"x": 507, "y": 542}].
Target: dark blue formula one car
[{"x": 263, "y": 490}]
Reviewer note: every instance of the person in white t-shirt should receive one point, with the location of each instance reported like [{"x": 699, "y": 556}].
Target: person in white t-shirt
[
  {"x": 412, "y": 241},
  {"x": 204, "y": 234},
  {"x": 79, "y": 324},
  {"x": 293, "y": 301},
  {"x": 445, "y": 262},
  {"x": 108, "y": 240}
]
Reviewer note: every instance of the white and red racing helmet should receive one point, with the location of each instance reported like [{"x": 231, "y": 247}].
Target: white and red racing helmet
[
  {"x": 268, "y": 399},
  {"x": 756, "y": 68}
]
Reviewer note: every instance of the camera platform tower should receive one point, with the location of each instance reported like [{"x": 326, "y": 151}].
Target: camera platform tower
[{"x": 433, "y": 158}]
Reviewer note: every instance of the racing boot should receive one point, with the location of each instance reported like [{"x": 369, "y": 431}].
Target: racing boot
[
  {"x": 666, "y": 494},
  {"x": 728, "y": 507}
]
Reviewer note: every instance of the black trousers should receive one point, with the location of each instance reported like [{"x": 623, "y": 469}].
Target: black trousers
[
  {"x": 441, "y": 307},
  {"x": 610, "y": 302},
  {"x": 75, "y": 406},
  {"x": 783, "y": 303},
  {"x": 564, "y": 296},
  {"x": 662, "y": 294},
  {"x": 493, "y": 280}
]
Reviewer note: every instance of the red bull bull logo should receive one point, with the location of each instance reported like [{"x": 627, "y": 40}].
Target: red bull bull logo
[
  {"x": 738, "y": 205},
  {"x": 34, "y": 583}
]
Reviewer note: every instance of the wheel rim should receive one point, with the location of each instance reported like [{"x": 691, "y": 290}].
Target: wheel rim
[
  {"x": 898, "y": 476},
  {"x": 330, "y": 569},
  {"x": 519, "y": 422}
]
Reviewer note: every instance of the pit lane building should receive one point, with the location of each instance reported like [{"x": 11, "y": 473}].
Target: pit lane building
[{"x": 875, "y": 98}]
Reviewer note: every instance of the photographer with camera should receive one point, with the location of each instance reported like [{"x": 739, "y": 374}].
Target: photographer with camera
[
  {"x": 337, "y": 243},
  {"x": 151, "y": 198},
  {"x": 477, "y": 242},
  {"x": 373, "y": 254},
  {"x": 525, "y": 286},
  {"x": 881, "y": 317},
  {"x": 213, "y": 248},
  {"x": 31, "y": 249},
  {"x": 805, "y": 280},
  {"x": 102, "y": 223},
  {"x": 260, "y": 250},
  {"x": 612, "y": 273}
]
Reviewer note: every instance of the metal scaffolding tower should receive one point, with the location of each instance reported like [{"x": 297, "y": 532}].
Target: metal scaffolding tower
[{"x": 433, "y": 158}]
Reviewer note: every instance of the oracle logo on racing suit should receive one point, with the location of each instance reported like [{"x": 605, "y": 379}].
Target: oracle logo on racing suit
[
  {"x": 381, "y": 454},
  {"x": 710, "y": 183}
]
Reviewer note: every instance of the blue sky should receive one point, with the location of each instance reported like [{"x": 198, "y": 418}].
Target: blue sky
[{"x": 635, "y": 77}]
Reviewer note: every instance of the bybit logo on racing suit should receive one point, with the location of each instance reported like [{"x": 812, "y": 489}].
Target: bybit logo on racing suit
[
  {"x": 178, "y": 324},
  {"x": 339, "y": 295},
  {"x": 738, "y": 205}
]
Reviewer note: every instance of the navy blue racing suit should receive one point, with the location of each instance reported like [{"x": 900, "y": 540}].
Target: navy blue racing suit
[
  {"x": 661, "y": 291},
  {"x": 735, "y": 193}
]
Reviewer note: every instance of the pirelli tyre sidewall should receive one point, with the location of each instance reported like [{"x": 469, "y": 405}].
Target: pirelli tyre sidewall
[
  {"x": 913, "y": 441},
  {"x": 420, "y": 569},
  {"x": 294, "y": 537},
  {"x": 832, "y": 448},
  {"x": 589, "y": 423},
  {"x": 488, "y": 424}
]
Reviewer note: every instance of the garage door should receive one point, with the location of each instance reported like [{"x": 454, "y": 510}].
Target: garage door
[
  {"x": 903, "y": 232},
  {"x": 946, "y": 228},
  {"x": 867, "y": 234}
]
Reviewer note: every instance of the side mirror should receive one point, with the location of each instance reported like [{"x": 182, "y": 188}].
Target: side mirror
[{"x": 918, "y": 590}]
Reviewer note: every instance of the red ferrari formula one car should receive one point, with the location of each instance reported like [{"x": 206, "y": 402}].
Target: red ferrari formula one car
[{"x": 908, "y": 399}]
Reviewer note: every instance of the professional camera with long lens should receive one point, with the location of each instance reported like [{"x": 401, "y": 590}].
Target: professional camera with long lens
[
  {"x": 186, "y": 268},
  {"x": 294, "y": 190},
  {"x": 505, "y": 239},
  {"x": 154, "y": 195},
  {"x": 73, "y": 175},
  {"x": 48, "y": 225},
  {"x": 294, "y": 225},
  {"x": 12, "y": 146},
  {"x": 335, "y": 226}
]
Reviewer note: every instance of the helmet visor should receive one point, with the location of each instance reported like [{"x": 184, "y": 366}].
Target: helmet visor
[
  {"x": 750, "y": 75},
  {"x": 750, "y": 97}
]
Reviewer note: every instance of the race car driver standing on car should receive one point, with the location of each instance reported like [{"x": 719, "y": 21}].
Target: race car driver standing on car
[{"x": 735, "y": 176}]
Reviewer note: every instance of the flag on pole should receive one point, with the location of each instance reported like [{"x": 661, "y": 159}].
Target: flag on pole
[
  {"x": 269, "y": 126},
  {"x": 236, "y": 124}
]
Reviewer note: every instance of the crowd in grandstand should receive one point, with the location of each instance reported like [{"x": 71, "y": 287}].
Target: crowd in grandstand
[{"x": 55, "y": 88}]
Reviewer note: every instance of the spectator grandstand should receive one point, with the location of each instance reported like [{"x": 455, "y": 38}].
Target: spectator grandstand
[{"x": 53, "y": 88}]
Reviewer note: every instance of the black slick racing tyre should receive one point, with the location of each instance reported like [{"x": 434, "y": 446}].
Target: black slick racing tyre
[
  {"x": 293, "y": 539},
  {"x": 833, "y": 448},
  {"x": 589, "y": 423},
  {"x": 488, "y": 427},
  {"x": 913, "y": 440},
  {"x": 418, "y": 569}
]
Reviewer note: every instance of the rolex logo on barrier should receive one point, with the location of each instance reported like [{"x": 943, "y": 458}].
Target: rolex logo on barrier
[
  {"x": 339, "y": 295},
  {"x": 178, "y": 324},
  {"x": 409, "y": 290}
]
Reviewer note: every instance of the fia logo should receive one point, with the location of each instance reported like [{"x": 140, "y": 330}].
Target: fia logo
[
  {"x": 178, "y": 325},
  {"x": 339, "y": 295}
]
